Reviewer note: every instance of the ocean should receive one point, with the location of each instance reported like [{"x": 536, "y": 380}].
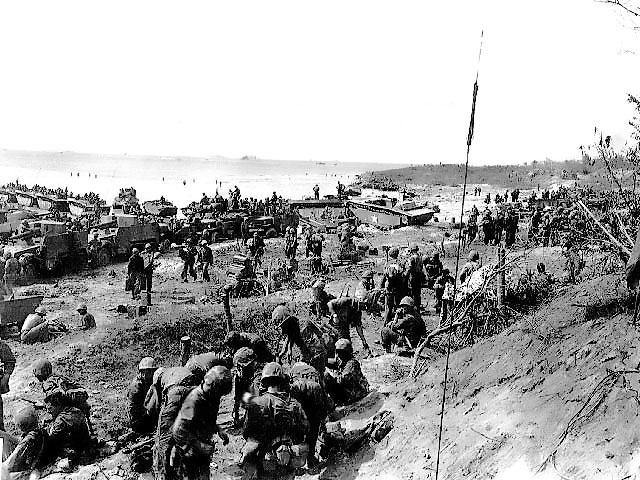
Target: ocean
[{"x": 179, "y": 180}]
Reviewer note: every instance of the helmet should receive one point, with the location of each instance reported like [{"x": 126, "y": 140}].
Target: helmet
[
  {"x": 272, "y": 371},
  {"x": 320, "y": 284},
  {"x": 407, "y": 301},
  {"x": 280, "y": 314},
  {"x": 41, "y": 311},
  {"x": 219, "y": 377},
  {"x": 474, "y": 255},
  {"x": 243, "y": 357},
  {"x": 367, "y": 274},
  {"x": 394, "y": 252},
  {"x": 42, "y": 368},
  {"x": 147, "y": 246},
  {"x": 135, "y": 250},
  {"x": 26, "y": 418},
  {"x": 147, "y": 363},
  {"x": 344, "y": 345},
  {"x": 414, "y": 248},
  {"x": 204, "y": 242},
  {"x": 81, "y": 306}
]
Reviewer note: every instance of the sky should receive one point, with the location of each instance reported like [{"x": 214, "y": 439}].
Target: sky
[{"x": 328, "y": 81}]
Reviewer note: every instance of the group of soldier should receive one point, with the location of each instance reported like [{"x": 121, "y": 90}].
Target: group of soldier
[{"x": 280, "y": 402}]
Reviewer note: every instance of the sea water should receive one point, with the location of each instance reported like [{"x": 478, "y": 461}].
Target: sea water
[{"x": 179, "y": 180}]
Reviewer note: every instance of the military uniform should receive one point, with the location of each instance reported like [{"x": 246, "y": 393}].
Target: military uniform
[
  {"x": 348, "y": 314},
  {"x": 196, "y": 422},
  {"x": 139, "y": 420},
  {"x": 410, "y": 326},
  {"x": 348, "y": 385},
  {"x": 68, "y": 434}
]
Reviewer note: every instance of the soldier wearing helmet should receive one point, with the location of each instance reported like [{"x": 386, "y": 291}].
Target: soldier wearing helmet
[
  {"x": 197, "y": 422},
  {"x": 276, "y": 425},
  {"x": 306, "y": 387},
  {"x": 87, "y": 321},
  {"x": 344, "y": 381},
  {"x": 406, "y": 329},
  {"x": 169, "y": 390},
  {"x": 61, "y": 390},
  {"x": 149, "y": 264},
  {"x": 320, "y": 299},
  {"x": 246, "y": 378},
  {"x": 345, "y": 313},
  {"x": 236, "y": 340},
  {"x": 68, "y": 434},
  {"x": 205, "y": 257},
  {"x": 140, "y": 420},
  {"x": 415, "y": 276},
  {"x": 28, "y": 454},
  {"x": 301, "y": 340},
  {"x": 35, "y": 327},
  {"x": 393, "y": 284},
  {"x": 135, "y": 272}
]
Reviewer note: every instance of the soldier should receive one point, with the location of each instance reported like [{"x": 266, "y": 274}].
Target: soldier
[
  {"x": 487, "y": 227},
  {"x": 365, "y": 286},
  {"x": 306, "y": 387},
  {"x": 69, "y": 433},
  {"x": 439, "y": 287},
  {"x": 148, "y": 258},
  {"x": 11, "y": 271},
  {"x": 321, "y": 299},
  {"x": 308, "y": 235},
  {"x": 392, "y": 283},
  {"x": 29, "y": 453},
  {"x": 406, "y": 328},
  {"x": 344, "y": 380},
  {"x": 303, "y": 334},
  {"x": 188, "y": 256},
  {"x": 135, "y": 271},
  {"x": 35, "y": 327},
  {"x": 94, "y": 246},
  {"x": 197, "y": 422},
  {"x": 316, "y": 251},
  {"x": 415, "y": 276},
  {"x": 205, "y": 257},
  {"x": 511, "y": 227},
  {"x": 200, "y": 364},
  {"x": 433, "y": 267},
  {"x": 236, "y": 340},
  {"x": 87, "y": 321},
  {"x": 246, "y": 368},
  {"x": 256, "y": 248},
  {"x": 140, "y": 420},
  {"x": 170, "y": 388},
  {"x": 291, "y": 243},
  {"x": 345, "y": 313},
  {"x": 316, "y": 192},
  {"x": 275, "y": 426}
]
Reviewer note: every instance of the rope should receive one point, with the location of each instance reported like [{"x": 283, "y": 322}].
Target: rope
[{"x": 455, "y": 285}]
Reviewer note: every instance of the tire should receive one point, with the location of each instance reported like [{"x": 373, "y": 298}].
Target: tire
[
  {"x": 271, "y": 233},
  {"x": 104, "y": 257}
]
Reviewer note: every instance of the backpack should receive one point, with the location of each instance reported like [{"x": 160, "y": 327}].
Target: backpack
[{"x": 283, "y": 415}]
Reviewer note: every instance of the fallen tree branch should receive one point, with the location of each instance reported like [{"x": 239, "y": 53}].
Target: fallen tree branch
[
  {"x": 613, "y": 239},
  {"x": 624, "y": 230}
]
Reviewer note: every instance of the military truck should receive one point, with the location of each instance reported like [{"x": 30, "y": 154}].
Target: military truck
[
  {"x": 224, "y": 228},
  {"x": 119, "y": 236},
  {"x": 44, "y": 253}
]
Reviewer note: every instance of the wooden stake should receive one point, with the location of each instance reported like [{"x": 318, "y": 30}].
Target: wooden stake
[{"x": 185, "y": 349}]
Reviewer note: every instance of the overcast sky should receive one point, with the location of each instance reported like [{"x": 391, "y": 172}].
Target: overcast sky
[{"x": 332, "y": 80}]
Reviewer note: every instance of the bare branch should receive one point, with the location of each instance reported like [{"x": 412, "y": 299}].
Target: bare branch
[{"x": 618, "y": 3}]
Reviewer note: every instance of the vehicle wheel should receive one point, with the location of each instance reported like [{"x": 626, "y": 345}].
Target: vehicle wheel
[
  {"x": 104, "y": 257},
  {"x": 271, "y": 233}
]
